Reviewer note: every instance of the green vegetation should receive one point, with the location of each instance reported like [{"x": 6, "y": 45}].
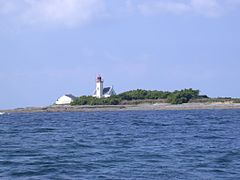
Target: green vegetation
[
  {"x": 183, "y": 96},
  {"x": 143, "y": 94},
  {"x": 89, "y": 100},
  {"x": 176, "y": 97}
]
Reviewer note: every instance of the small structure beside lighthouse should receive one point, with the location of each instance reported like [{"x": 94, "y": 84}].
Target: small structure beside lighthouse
[
  {"x": 65, "y": 99},
  {"x": 100, "y": 91}
]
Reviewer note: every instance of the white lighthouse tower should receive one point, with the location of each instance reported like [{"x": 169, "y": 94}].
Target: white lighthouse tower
[
  {"x": 99, "y": 87},
  {"x": 100, "y": 91}
]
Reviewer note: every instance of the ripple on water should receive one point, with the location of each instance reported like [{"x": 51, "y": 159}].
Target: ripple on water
[{"x": 121, "y": 145}]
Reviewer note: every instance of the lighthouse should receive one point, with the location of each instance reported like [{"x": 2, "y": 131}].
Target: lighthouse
[
  {"x": 99, "y": 87},
  {"x": 100, "y": 91}
]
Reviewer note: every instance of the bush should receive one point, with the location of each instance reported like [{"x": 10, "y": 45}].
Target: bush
[
  {"x": 133, "y": 95},
  {"x": 143, "y": 94},
  {"x": 89, "y": 100},
  {"x": 183, "y": 96},
  {"x": 176, "y": 97}
]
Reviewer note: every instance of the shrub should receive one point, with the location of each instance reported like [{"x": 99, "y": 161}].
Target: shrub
[
  {"x": 89, "y": 100},
  {"x": 183, "y": 96},
  {"x": 176, "y": 97}
]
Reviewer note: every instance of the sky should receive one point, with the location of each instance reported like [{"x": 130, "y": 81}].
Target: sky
[{"x": 53, "y": 47}]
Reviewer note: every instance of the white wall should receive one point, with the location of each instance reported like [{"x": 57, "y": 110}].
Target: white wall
[
  {"x": 64, "y": 100},
  {"x": 99, "y": 89}
]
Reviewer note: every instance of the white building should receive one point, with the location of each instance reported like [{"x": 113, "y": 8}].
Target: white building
[
  {"x": 100, "y": 91},
  {"x": 65, "y": 99}
]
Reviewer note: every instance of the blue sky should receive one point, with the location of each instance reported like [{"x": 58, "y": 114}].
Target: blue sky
[{"x": 50, "y": 48}]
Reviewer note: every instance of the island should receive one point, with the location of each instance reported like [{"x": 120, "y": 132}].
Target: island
[{"x": 186, "y": 99}]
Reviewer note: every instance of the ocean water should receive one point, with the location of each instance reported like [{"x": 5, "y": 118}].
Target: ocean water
[{"x": 199, "y": 144}]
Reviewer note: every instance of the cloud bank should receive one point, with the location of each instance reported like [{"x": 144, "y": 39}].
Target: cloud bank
[
  {"x": 202, "y": 7},
  {"x": 67, "y": 12},
  {"x": 77, "y": 12}
]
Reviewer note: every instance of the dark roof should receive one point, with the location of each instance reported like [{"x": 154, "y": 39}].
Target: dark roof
[
  {"x": 106, "y": 90},
  {"x": 71, "y": 96}
]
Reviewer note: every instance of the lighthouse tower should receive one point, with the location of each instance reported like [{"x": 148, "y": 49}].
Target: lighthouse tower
[{"x": 99, "y": 87}]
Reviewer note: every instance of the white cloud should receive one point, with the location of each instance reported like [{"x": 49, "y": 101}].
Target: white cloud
[
  {"x": 75, "y": 12},
  {"x": 62, "y": 11},
  {"x": 66, "y": 12},
  {"x": 156, "y": 7},
  {"x": 206, "y": 7},
  {"x": 201, "y": 7}
]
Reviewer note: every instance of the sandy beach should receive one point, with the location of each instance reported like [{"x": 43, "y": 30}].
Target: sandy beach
[{"x": 140, "y": 107}]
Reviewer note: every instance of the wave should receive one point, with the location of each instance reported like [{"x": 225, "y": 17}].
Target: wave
[{"x": 2, "y": 113}]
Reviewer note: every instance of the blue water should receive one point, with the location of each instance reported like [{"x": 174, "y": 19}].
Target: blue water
[{"x": 121, "y": 145}]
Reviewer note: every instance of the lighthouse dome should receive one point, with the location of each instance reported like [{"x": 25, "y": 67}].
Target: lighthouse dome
[{"x": 98, "y": 78}]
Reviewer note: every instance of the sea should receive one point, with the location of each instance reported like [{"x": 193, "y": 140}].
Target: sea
[{"x": 191, "y": 144}]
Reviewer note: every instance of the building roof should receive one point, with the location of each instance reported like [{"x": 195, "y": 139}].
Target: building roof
[
  {"x": 70, "y": 96},
  {"x": 106, "y": 90}
]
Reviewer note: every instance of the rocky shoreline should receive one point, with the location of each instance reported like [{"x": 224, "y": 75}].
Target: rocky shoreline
[{"x": 139, "y": 107}]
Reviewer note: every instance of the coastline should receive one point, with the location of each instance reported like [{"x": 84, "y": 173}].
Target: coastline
[{"x": 139, "y": 107}]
